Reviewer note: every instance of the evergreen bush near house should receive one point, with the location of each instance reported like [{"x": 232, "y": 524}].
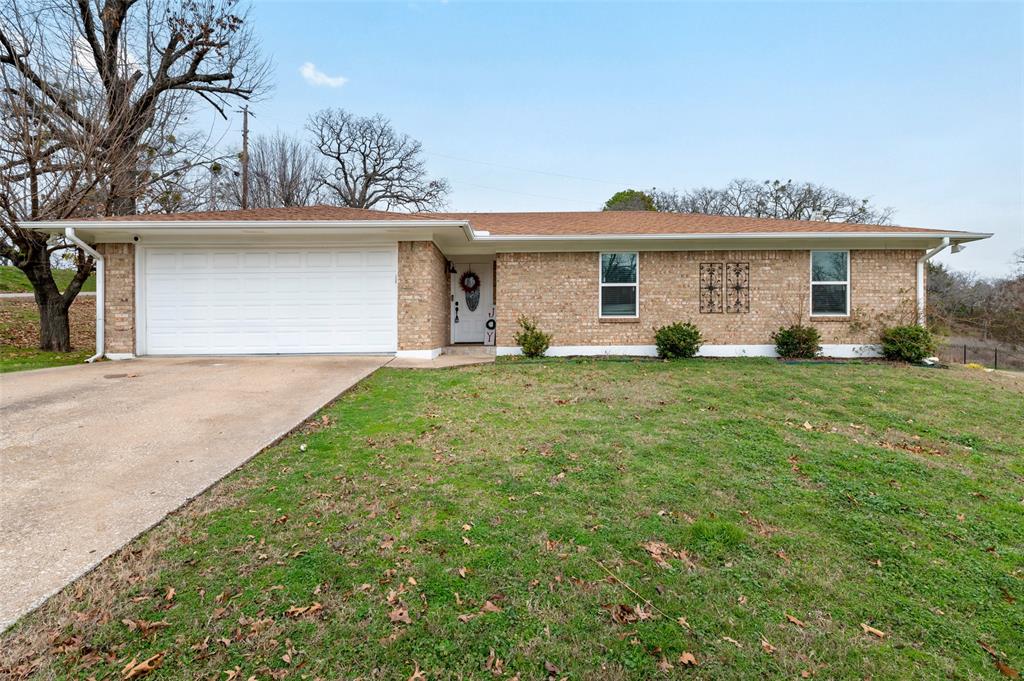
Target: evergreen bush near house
[
  {"x": 909, "y": 343},
  {"x": 532, "y": 340},
  {"x": 678, "y": 340},
  {"x": 797, "y": 342}
]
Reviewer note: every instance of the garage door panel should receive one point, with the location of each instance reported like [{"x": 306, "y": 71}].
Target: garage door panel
[{"x": 246, "y": 301}]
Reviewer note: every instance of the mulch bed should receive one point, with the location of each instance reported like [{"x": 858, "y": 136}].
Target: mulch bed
[{"x": 19, "y": 322}]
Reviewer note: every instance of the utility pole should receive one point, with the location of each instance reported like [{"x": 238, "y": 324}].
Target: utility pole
[{"x": 245, "y": 157}]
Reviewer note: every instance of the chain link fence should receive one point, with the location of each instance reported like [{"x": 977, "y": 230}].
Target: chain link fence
[{"x": 994, "y": 357}]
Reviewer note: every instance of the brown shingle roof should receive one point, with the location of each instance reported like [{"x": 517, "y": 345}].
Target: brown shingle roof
[
  {"x": 544, "y": 223},
  {"x": 325, "y": 213},
  {"x": 650, "y": 222}
]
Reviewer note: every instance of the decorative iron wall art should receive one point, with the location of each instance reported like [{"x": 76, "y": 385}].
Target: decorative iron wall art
[
  {"x": 711, "y": 287},
  {"x": 737, "y": 287},
  {"x": 724, "y": 287}
]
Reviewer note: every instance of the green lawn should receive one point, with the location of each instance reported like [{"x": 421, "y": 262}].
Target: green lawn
[
  {"x": 20, "y": 359},
  {"x": 13, "y": 280},
  {"x": 508, "y": 517}
]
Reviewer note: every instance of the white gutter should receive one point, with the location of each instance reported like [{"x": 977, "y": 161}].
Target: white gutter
[
  {"x": 928, "y": 255},
  {"x": 69, "y": 233},
  {"x": 478, "y": 235}
]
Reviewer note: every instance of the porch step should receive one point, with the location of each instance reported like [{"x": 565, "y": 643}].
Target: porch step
[{"x": 470, "y": 350}]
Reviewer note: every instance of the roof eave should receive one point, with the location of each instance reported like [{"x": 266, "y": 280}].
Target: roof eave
[{"x": 962, "y": 237}]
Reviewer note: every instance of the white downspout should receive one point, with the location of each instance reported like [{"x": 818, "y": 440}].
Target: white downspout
[
  {"x": 928, "y": 255},
  {"x": 69, "y": 232}
]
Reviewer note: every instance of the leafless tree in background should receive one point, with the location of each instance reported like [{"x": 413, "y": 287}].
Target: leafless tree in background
[
  {"x": 371, "y": 165},
  {"x": 283, "y": 171},
  {"x": 773, "y": 199},
  {"x": 94, "y": 97},
  {"x": 964, "y": 303}
]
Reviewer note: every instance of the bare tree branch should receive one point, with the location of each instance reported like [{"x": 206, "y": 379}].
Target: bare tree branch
[
  {"x": 370, "y": 164},
  {"x": 773, "y": 199}
]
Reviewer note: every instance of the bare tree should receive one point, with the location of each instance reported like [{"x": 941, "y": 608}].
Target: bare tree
[
  {"x": 372, "y": 165},
  {"x": 773, "y": 199},
  {"x": 93, "y": 94},
  {"x": 965, "y": 303},
  {"x": 283, "y": 171}
]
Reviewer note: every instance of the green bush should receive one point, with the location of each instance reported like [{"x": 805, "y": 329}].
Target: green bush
[
  {"x": 908, "y": 343},
  {"x": 678, "y": 340},
  {"x": 797, "y": 342},
  {"x": 532, "y": 340}
]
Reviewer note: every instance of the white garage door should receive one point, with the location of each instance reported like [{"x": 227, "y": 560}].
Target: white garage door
[{"x": 216, "y": 301}]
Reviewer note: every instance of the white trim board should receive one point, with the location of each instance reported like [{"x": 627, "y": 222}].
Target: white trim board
[
  {"x": 119, "y": 356},
  {"x": 828, "y": 350},
  {"x": 419, "y": 354}
]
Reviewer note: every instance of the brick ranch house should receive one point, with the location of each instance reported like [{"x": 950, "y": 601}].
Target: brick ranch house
[{"x": 341, "y": 280}]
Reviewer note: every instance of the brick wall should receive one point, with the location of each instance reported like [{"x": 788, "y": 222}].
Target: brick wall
[
  {"x": 119, "y": 297},
  {"x": 560, "y": 291},
  {"x": 423, "y": 296}
]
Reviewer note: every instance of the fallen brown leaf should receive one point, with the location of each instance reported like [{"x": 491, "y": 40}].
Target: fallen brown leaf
[
  {"x": 494, "y": 664},
  {"x": 400, "y": 614},
  {"x": 660, "y": 552},
  {"x": 300, "y": 611},
  {"x": 793, "y": 620},
  {"x": 1006, "y": 670},
  {"x": 143, "y": 627},
  {"x": 766, "y": 646},
  {"x": 997, "y": 659},
  {"x": 135, "y": 669},
  {"x": 490, "y": 607},
  {"x": 688, "y": 660},
  {"x": 868, "y": 629},
  {"x": 417, "y": 675}
]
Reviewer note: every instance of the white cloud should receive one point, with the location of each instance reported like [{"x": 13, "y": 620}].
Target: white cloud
[{"x": 315, "y": 76}]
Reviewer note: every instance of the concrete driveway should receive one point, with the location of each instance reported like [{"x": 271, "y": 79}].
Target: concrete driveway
[{"x": 92, "y": 455}]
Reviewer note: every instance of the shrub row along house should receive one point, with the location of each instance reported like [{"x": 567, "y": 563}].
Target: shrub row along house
[{"x": 341, "y": 280}]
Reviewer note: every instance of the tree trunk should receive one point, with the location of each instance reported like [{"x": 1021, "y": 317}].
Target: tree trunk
[{"x": 54, "y": 327}]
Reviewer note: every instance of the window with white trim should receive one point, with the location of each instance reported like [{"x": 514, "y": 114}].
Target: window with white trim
[
  {"x": 620, "y": 284},
  {"x": 830, "y": 283}
]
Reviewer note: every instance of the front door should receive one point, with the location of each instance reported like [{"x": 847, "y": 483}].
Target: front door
[{"x": 472, "y": 298}]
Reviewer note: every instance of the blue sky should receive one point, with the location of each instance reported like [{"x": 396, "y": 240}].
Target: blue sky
[{"x": 532, "y": 106}]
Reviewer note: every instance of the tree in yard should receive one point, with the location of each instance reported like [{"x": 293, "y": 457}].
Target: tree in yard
[
  {"x": 370, "y": 164},
  {"x": 773, "y": 199},
  {"x": 283, "y": 171},
  {"x": 93, "y": 95},
  {"x": 630, "y": 199}
]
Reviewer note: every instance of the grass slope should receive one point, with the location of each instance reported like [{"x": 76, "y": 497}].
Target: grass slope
[
  {"x": 13, "y": 280},
  {"x": 838, "y": 494}
]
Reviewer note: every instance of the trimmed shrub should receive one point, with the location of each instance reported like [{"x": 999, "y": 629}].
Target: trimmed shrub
[
  {"x": 532, "y": 340},
  {"x": 678, "y": 340},
  {"x": 797, "y": 342},
  {"x": 910, "y": 343}
]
